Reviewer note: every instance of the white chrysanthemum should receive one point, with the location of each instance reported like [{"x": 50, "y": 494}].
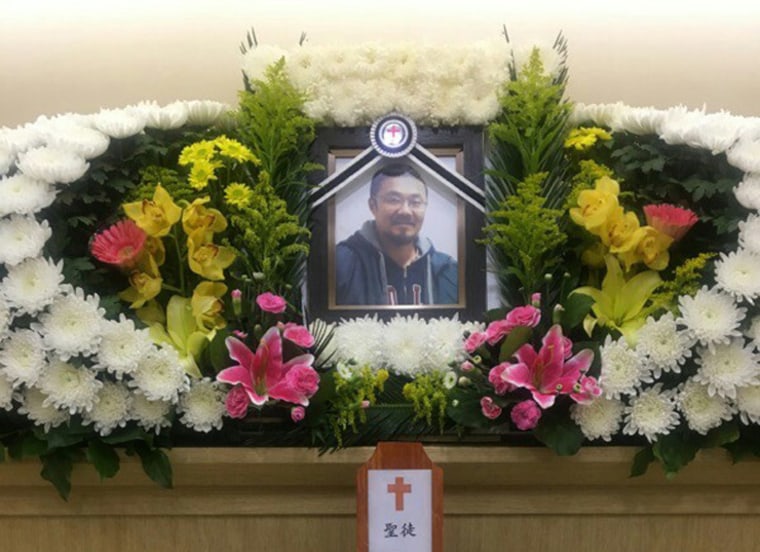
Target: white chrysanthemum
[
  {"x": 6, "y": 317},
  {"x": 651, "y": 413},
  {"x": 6, "y": 394},
  {"x": 715, "y": 132},
  {"x": 710, "y": 316},
  {"x": 22, "y": 138},
  {"x": 639, "y": 120},
  {"x": 204, "y": 112},
  {"x": 359, "y": 339},
  {"x": 160, "y": 375},
  {"x": 738, "y": 273},
  {"x": 171, "y": 116},
  {"x": 753, "y": 332},
  {"x": 745, "y": 154},
  {"x": 35, "y": 406},
  {"x": 150, "y": 415},
  {"x": 728, "y": 366},
  {"x": 623, "y": 370},
  {"x": 701, "y": 410},
  {"x": 83, "y": 141},
  {"x": 22, "y": 237},
  {"x": 748, "y": 403},
  {"x": 677, "y": 122},
  {"x": 445, "y": 343},
  {"x": 22, "y": 357},
  {"x": 72, "y": 325},
  {"x": 69, "y": 387},
  {"x": 747, "y": 192},
  {"x": 663, "y": 345},
  {"x": 258, "y": 59},
  {"x": 122, "y": 347},
  {"x": 202, "y": 407},
  {"x": 24, "y": 195},
  {"x": 599, "y": 419},
  {"x": 33, "y": 284},
  {"x": 403, "y": 345},
  {"x": 111, "y": 410},
  {"x": 7, "y": 160},
  {"x": 749, "y": 234},
  {"x": 608, "y": 115},
  {"x": 119, "y": 123},
  {"x": 52, "y": 165}
]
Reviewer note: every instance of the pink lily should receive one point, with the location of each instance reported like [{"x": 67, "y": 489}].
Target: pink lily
[
  {"x": 263, "y": 375},
  {"x": 547, "y": 373}
]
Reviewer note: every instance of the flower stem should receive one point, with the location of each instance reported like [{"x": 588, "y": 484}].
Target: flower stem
[{"x": 180, "y": 262}]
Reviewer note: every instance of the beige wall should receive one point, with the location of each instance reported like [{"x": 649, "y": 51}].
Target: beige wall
[{"x": 80, "y": 55}]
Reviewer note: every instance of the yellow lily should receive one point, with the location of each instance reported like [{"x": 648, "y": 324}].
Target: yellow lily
[
  {"x": 197, "y": 215},
  {"x": 182, "y": 333},
  {"x": 207, "y": 259},
  {"x": 620, "y": 302},
  {"x": 207, "y": 306},
  {"x": 156, "y": 216}
]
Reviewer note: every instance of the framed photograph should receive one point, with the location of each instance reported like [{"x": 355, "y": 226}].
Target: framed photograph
[{"x": 397, "y": 233}]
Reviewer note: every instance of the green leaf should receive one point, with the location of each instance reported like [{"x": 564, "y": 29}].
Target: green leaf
[
  {"x": 217, "y": 352},
  {"x": 26, "y": 445},
  {"x": 467, "y": 412},
  {"x": 641, "y": 461},
  {"x": 577, "y": 306},
  {"x": 675, "y": 451},
  {"x": 518, "y": 337},
  {"x": 56, "y": 468},
  {"x": 104, "y": 458},
  {"x": 125, "y": 435},
  {"x": 722, "y": 435},
  {"x": 558, "y": 432},
  {"x": 156, "y": 464}
]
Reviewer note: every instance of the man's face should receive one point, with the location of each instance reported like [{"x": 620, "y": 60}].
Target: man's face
[{"x": 399, "y": 208}]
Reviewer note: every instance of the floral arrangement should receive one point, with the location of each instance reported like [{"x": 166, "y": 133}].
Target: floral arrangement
[{"x": 151, "y": 260}]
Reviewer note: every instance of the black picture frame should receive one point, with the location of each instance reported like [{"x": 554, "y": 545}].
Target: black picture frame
[{"x": 467, "y": 144}]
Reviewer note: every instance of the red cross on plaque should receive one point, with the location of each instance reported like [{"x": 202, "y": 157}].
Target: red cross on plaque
[
  {"x": 399, "y": 488},
  {"x": 393, "y": 129}
]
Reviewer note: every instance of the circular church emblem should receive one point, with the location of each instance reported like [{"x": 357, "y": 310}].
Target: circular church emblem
[{"x": 393, "y": 135}]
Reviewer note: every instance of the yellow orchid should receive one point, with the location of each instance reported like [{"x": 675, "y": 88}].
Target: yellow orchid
[
  {"x": 182, "y": 333},
  {"x": 144, "y": 284},
  {"x": 155, "y": 247},
  {"x": 620, "y": 303},
  {"x": 208, "y": 259},
  {"x": 197, "y": 215},
  {"x": 619, "y": 230},
  {"x": 651, "y": 249},
  {"x": 156, "y": 216},
  {"x": 597, "y": 205},
  {"x": 207, "y": 306}
]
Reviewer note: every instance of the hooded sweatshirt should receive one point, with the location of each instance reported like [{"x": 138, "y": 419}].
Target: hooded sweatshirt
[{"x": 366, "y": 276}]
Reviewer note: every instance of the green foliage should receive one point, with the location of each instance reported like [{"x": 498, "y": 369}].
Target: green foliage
[
  {"x": 429, "y": 396},
  {"x": 155, "y": 463},
  {"x": 524, "y": 232},
  {"x": 270, "y": 239},
  {"x": 104, "y": 458},
  {"x": 558, "y": 431},
  {"x": 354, "y": 386},
  {"x": 57, "y": 466},
  {"x": 686, "y": 281}
]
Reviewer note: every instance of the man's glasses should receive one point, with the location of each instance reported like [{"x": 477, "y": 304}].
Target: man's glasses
[{"x": 396, "y": 201}]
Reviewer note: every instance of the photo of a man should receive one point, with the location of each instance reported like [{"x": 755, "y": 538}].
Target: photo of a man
[{"x": 387, "y": 261}]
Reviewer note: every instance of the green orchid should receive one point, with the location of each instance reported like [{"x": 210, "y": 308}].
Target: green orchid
[
  {"x": 183, "y": 333},
  {"x": 620, "y": 303}
]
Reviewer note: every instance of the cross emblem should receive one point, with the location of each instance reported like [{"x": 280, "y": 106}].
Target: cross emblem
[{"x": 399, "y": 488}]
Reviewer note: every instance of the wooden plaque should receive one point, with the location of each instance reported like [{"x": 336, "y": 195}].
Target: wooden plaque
[{"x": 396, "y": 490}]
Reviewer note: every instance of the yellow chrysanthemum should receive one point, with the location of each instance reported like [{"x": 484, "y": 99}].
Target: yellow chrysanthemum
[
  {"x": 156, "y": 216},
  {"x": 201, "y": 173},
  {"x": 197, "y": 215},
  {"x": 584, "y": 137},
  {"x": 235, "y": 150},
  {"x": 238, "y": 195},
  {"x": 197, "y": 152}
]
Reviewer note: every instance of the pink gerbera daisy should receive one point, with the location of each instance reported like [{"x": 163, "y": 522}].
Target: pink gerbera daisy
[
  {"x": 120, "y": 244},
  {"x": 670, "y": 220}
]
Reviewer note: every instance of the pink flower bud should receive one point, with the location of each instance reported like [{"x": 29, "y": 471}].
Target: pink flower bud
[
  {"x": 535, "y": 299},
  {"x": 489, "y": 408},
  {"x": 365, "y": 404},
  {"x": 467, "y": 366},
  {"x": 236, "y": 294},
  {"x": 297, "y": 413}
]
